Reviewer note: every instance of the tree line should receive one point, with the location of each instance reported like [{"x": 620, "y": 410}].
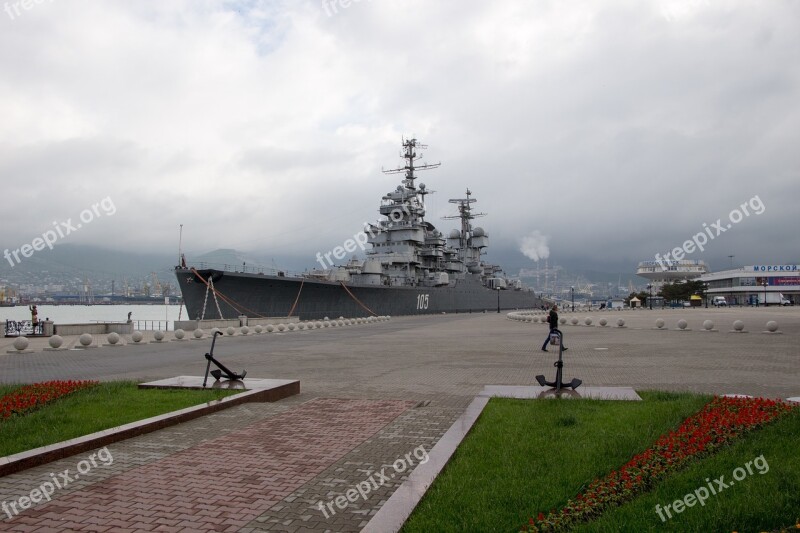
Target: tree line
[{"x": 680, "y": 290}]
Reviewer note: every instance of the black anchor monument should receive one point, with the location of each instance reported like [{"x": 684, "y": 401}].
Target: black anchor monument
[
  {"x": 558, "y": 384},
  {"x": 221, "y": 369}
]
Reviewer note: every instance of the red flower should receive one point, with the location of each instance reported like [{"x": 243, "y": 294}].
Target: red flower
[
  {"x": 725, "y": 418},
  {"x": 30, "y": 397}
]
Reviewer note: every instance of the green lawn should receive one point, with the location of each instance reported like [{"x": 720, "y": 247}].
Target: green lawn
[
  {"x": 759, "y": 502},
  {"x": 87, "y": 411},
  {"x": 523, "y": 457}
]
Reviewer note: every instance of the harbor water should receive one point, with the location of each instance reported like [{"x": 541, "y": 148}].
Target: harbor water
[{"x": 144, "y": 317}]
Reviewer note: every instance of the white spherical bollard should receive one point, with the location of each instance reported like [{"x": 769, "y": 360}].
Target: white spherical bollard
[
  {"x": 159, "y": 335},
  {"x": 318, "y": 324},
  {"x": 55, "y": 342},
  {"x": 708, "y": 325},
  {"x": 85, "y": 339},
  {"x": 738, "y": 325},
  {"x": 231, "y": 330},
  {"x": 179, "y": 334},
  {"x": 137, "y": 336},
  {"x": 620, "y": 322},
  {"x": 21, "y": 343},
  {"x": 588, "y": 321},
  {"x": 215, "y": 330},
  {"x": 772, "y": 326},
  {"x": 573, "y": 321},
  {"x": 245, "y": 330},
  {"x": 682, "y": 324},
  {"x": 292, "y": 326},
  {"x": 603, "y": 322},
  {"x": 562, "y": 320},
  {"x": 660, "y": 323},
  {"x": 326, "y": 324},
  {"x": 113, "y": 338},
  {"x": 198, "y": 333},
  {"x": 259, "y": 329},
  {"x": 281, "y": 327},
  {"x": 270, "y": 328}
]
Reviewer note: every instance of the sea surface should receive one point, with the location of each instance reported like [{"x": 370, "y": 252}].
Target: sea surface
[{"x": 145, "y": 315}]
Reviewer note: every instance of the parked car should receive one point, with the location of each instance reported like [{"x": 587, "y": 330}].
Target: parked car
[{"x": 719, "y": 301}]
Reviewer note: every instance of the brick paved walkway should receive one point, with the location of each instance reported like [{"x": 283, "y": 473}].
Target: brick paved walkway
[{"x": 221, "y": 484}]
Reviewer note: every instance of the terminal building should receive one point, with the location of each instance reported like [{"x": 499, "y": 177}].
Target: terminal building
[
  {"x": 756, "y": 284},
  {"x": 662, "y": 272}
]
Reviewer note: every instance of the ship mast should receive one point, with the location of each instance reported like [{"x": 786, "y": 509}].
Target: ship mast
[
  {"x": 465, "y": 214},
  {"x": 410, "y": 155}
]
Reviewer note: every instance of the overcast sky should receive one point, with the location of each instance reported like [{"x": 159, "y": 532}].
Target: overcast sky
[{"x": 603, "y": 132}]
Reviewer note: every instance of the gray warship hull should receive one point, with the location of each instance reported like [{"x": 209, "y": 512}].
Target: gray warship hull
[{"x": 260, "y": 295}]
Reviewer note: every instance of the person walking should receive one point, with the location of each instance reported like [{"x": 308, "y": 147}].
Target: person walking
[{"x": 552, "y": 319}]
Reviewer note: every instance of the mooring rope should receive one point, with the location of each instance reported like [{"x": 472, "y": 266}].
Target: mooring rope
[
  {"x": 357, "y": 300},
  {"x": 298, "y": 297},
  {"x": 238, "y": 307}
]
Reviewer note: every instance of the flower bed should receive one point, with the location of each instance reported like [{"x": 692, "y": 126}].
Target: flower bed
[
  {"x": 33, "y": 396},
  {"x": 718, "y": 423}
]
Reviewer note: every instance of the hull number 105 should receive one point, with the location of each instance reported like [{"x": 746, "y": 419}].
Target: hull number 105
[{"x": 422, "y": 301}]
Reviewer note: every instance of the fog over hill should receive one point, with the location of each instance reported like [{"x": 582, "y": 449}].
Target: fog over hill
[{"x": 71, "y": 265}]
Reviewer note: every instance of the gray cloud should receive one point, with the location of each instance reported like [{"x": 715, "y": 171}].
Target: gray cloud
[{"x": 616, "y": 130}]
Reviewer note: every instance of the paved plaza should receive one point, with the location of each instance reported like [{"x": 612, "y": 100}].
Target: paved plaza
[{"x": 370, "y": 394}]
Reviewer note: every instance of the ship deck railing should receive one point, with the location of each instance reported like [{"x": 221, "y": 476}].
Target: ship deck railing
[{"x": 248, "y": 269}]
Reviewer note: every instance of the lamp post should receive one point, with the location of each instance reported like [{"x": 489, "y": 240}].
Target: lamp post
[
  {"x": 765, "y": 291},
  {"x": 498, "y": 299},
  {"x": 573, "y": 298},
  {"x": 650, "y": 299}
]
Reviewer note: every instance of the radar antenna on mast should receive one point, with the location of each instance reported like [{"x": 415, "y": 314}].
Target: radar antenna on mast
[
  {"x": 410, "y": 155},
  {"x": 464, "y": 211},
  {"x": 465, "y": 214}
]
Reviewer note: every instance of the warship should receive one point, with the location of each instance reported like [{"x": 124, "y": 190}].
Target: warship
[{"x": 410, "y": 268}]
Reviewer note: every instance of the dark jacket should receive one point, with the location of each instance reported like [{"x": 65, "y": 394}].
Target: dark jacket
[{"x": 553, "y": 319}]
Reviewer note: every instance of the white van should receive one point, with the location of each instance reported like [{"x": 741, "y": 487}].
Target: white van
[{"x": 719, "y": 301}]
